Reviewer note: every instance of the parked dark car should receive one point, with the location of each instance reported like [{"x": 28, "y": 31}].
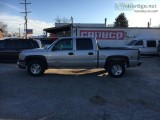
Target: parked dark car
[
  {"x": 47, "y": 41},
  {"x": 158, "y": 48},
  {"x": 10, "y": 48}
]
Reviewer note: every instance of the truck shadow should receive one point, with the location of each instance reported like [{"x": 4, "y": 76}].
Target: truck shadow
[{"x": 79, "y": 72}]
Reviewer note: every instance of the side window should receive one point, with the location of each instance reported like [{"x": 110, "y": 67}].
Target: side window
[
  {"x": 34, "y": 44},
  {"x": 139, "y": 43},
  {"x": 28, "y": 44},
  {"x": 151, "y": 43},
  {"x": 84, "y": 44},
  {"x": 159, "y": 43},
  {"x": 2, "y": 44},
  {"x": 65, "y": 44},
  {"x": 12, "y": 44},
  {"x": 20, "y": 44}
]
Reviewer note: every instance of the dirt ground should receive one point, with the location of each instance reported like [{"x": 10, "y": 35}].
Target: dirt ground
[{"x": 82, "y": 94}]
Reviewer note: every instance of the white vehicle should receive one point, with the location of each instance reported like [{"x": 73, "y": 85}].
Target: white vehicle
[
  {"x": 158, "y": 48},
  {"x": 147, "y": 46}
]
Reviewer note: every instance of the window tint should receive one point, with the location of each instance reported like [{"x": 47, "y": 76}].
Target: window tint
[
  {"x": 65, "y": 44},
  {"x": 132, "y": 42},
  {"x": 139, "y": 43},
  {"x": 20, "y": 44},
  {"x": 3, "y": 44},
  {"x": 27, "y": 44},
  {"x": 84, "y": 44},
  {"x": 151, "y": 43},
  {"x": 12, "y": 44},
  {"x": 159, "y": 43},
  {"x": 34, "y": 44}
]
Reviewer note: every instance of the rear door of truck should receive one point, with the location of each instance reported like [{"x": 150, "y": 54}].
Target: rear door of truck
[{"x": 85, "y": 53}]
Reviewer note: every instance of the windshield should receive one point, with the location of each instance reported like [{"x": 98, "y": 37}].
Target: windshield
[
  {"x": 132, "y": 42},
  {"x": 48, "y": 47}
]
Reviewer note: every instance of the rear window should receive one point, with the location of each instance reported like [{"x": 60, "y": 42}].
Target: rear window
[
  {"x": 35, "y": 44},
  {"x": 151, "y": 43},
  {"x": 84, "y": 44}
]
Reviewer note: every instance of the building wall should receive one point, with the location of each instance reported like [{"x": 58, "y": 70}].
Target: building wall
[{"x": 117, "y": 36}]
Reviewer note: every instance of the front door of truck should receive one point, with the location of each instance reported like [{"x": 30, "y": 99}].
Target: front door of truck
[
  {"x": 62, "y": 54},
  {"x": 85, "y": 53}
]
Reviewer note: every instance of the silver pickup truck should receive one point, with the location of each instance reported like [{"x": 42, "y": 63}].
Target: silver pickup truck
[{"x": 78, "y": 52}]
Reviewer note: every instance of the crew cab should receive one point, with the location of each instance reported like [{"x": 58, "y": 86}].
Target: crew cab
[
  {"x": 79, "y": 52},
  {"x": 147, "y": 46}
]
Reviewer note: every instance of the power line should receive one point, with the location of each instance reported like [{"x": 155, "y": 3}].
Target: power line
[{"x": 25, "y": 17}]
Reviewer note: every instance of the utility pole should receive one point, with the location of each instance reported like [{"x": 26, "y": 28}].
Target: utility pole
[
  {"x": 19, "y": 32},
  {"x": 25, "y": 17}
]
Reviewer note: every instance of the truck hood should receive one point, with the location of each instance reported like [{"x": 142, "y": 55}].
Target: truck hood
[{"x": 35, "y": 50}]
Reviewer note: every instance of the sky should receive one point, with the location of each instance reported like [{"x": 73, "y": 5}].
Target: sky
[{"x": 44, "y": 12}]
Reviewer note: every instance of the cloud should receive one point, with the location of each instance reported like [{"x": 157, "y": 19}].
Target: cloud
[
  {"x": 11, "y": 6},
  {"x": 16, "y": 22}
]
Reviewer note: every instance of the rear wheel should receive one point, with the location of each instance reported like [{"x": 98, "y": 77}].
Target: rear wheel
[
  {"x": 116, "y": 69},
  {"x": 35, "y": 68}
]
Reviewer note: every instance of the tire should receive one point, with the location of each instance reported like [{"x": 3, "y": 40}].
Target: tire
[
  {"x": 116, "y": 69},
  {"x": 35, "y": 68}
]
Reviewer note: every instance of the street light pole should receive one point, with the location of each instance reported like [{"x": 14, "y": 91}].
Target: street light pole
[
  {"x": 25, "y": 17},
  {"x": 19, "y": 32}
]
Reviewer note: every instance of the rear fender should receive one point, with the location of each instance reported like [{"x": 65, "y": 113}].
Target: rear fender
[{"x": 117, "y": 58}]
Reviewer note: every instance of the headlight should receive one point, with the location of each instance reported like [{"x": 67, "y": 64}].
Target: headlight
[{"x": 21, "y": 56}]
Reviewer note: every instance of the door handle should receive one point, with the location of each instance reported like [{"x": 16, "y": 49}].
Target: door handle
[
  {"x": 70, "y": 53},
  {"x": 90, "y": 53}
]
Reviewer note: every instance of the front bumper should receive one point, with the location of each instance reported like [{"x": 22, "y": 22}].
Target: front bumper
[
  {"x": 21, "y": 64},
  {"x": 140, "y": 63}
]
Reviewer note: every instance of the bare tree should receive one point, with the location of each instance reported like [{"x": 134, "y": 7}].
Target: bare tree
[
  {"x": 58, "y": 19},
  {"x": 62, "y": 20},
  {"x": 3, "y": 27}
]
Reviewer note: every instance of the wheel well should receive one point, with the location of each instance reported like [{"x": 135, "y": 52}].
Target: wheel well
[
  {"x": 34, "y": 58},
  {"x": 123, "y": 59}
]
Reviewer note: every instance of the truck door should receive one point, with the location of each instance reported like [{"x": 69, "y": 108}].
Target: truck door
[
  {"x": 140, "y": 45},
  {"x": 151, "y": 47},
  {"x": 62, "y": 54},
  {"x": 85, "y": 53}
]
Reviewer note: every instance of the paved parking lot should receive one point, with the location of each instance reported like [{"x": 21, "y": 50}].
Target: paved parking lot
[{"x": 81, "y": 94}]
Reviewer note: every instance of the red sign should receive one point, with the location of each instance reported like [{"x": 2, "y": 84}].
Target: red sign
[{"x": 103, "y": 34}]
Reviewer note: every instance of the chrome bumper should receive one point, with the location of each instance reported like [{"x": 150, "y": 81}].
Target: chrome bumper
[{"x": 21, "y": 64}]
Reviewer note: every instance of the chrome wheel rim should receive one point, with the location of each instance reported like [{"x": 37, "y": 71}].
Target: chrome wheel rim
[
  {"x": 35, "y": 68},
  {"x": 116, "y": 70}
]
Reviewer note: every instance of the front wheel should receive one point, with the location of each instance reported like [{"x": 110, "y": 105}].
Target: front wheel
[
  {"x": 35, "y": 68},
  {"x": 116, "y": 69}
]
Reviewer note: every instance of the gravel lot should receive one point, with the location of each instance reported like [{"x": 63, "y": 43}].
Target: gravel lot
[{"x": 81, "y": 94}]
